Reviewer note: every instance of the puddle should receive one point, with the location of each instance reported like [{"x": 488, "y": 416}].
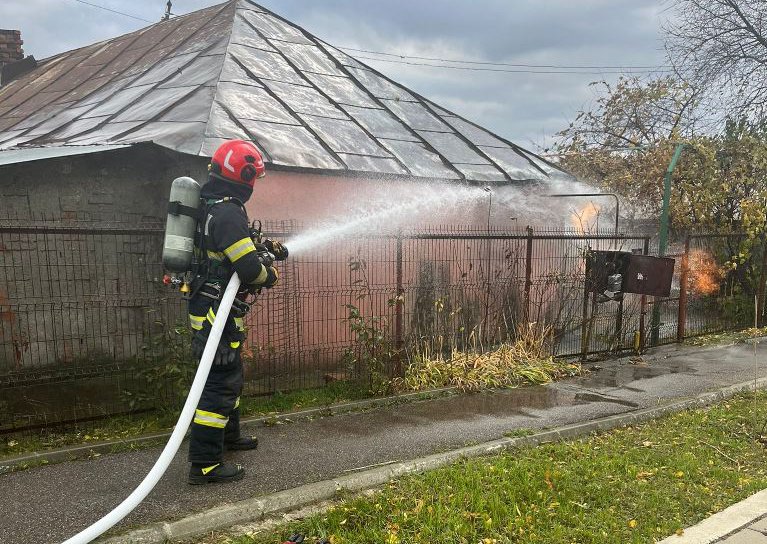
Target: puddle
[
  {"x": 625, "y": 374},
  {"x": 524, "y": 401},
  {"x": 595, "y": 397}
]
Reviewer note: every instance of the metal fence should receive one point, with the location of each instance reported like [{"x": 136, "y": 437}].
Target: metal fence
[{"x": 87, "y": 329}]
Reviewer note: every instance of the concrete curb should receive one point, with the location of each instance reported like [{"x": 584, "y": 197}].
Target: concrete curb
[
  {"x": 221, "y": 517},
  {"x": 73, "y": 453}
]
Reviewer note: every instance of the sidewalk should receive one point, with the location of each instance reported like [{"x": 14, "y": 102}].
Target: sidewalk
[{"x": 52, "y": 503}]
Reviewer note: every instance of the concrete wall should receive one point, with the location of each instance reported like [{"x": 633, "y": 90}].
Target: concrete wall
[
  {"x": 129, "y": 184},
  {"x": 72, "y": 291}
]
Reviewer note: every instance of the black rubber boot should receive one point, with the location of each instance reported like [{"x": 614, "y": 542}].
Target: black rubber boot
[
  {"x": 242, "y": 443},
  {"x": 218, "y": 473}
]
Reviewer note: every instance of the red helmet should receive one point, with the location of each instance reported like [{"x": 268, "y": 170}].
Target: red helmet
[{"x": 237, "y": 161}]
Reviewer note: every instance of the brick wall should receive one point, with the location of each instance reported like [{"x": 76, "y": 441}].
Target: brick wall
[{"x": 10, "y": 46}]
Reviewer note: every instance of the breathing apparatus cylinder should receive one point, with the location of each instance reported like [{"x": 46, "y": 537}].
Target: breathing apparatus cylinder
[{"x": 183, "y": 212}]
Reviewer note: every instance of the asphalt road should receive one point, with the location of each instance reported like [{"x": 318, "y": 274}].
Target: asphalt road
[{"x": 52, "y": 503}]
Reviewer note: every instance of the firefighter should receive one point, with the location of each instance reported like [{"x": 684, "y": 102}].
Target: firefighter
[{"x": 224, "y": 244}]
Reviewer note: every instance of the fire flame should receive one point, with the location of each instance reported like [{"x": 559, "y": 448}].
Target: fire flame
[
  {"x": 586, "y": 218},
  {"x": 705, "y": 275}
]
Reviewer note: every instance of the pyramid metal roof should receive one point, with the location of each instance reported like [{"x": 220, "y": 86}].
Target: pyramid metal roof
[{"x": 237, "y": 70}]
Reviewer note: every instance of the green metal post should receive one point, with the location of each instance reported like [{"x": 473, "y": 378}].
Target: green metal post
[{"x": 663, "y": 237}]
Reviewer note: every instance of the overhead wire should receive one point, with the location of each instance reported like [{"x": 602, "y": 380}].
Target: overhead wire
[
  {"x": 114, "y": 11},
  {"x": 513, "y": 71},
  {"x": 510, "y": 64}
]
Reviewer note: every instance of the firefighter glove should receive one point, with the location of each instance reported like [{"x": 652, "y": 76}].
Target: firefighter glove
[
  {"x": 240, "y": 308},
  {"x": 271, "y": 277},
  {"x": 266, "y": 258},
  {"x": 279, "y": 251},
  {"x": 225, "y": 354}
]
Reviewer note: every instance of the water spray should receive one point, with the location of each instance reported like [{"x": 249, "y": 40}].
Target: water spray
[
  {"x": 387, "y": 215},
  {"x": 395, "y": 207},
  {"x": 184, "y": 420}
]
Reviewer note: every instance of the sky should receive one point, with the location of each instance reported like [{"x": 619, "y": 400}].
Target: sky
[{"x": 527, "y": 108}]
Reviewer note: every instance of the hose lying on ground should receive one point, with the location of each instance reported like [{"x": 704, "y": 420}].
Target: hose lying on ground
[{"x": 184, "y": 420}]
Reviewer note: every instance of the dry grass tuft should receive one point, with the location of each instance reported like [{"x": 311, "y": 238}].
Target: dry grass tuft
[{"x": 527, "y": 360}]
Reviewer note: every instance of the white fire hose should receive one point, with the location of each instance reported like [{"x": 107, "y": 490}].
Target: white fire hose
[{"x": 184, "y": 420}]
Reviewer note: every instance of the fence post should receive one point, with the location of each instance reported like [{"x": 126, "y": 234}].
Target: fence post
[
  {"x": 761, "y": 288},
  {"x": 643, "y": 306},
  {"x": 399, "y": 308},
  {"x": 682, "y": 320},
  {"x": 528, "y": 272},
  {"x": 585, "y": 310}
]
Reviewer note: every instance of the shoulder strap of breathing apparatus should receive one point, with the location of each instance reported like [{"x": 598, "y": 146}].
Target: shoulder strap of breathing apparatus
[{"x": 202, "y": 266}]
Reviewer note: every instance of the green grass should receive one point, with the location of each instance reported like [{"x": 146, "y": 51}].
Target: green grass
[
  {"x": 127, "y": 427},
  {"x": 636, "y": 484}
]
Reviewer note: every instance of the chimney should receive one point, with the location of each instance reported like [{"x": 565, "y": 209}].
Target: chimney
[
  {"x": 10, "y": 46},
  {"x": 12, "y": 61}
]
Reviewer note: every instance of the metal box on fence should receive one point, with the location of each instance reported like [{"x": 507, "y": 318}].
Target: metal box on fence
[{"x": 640, "y": 274}]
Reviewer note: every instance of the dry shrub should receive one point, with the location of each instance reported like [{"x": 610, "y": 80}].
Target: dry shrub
[{"x": 527, "y": 360}]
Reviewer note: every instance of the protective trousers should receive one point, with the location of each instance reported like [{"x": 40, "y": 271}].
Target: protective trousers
[{"x": 217, "y": 418}]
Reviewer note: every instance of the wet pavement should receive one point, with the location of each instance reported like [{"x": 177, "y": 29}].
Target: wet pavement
[{"x": 52, "y": 503}]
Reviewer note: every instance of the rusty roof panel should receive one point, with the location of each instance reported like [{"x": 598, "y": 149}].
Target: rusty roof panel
[
  {"x": 33, "y": 104},
  {"x": 85, "y": 89},
  {"x": 236, "y": 70}
]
